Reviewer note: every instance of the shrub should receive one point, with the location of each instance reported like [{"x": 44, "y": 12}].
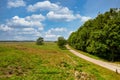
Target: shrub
[{"x": 40, "y": 41}]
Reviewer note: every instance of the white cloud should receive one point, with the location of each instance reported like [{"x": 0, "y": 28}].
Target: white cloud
[
  {"x": 56, "y": 12},
  {"x": 64, "y": 10},
  {"x": 25, "y": 34},
  {"x": 70, "y": 32},
  {"x": 45, "y": 5},
  {"x": 58, "y": 30},
  {"x": 50, "y": 35},
  {"x": 65, "y": 16},
  {"x": 17, "y": 21},
  {"x": 29, "y": 27},
  {"x": 35, "y": 17},
  {"x": 16, "y": 3},
  {"x": 28, "y": 21},
  {"x": 32, "y": 26},
  {"x": 82, "y": 18},
  {"x": 4, "y": 27},
  {"x": 54, "y": 33},
  {"x": 57, "y": 16},
  {"x": 29, "y": 31}
]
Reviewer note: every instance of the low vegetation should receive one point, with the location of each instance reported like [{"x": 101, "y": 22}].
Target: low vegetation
[
  {"x": 40, "y": 41},
  {"x": 28, "y": 61},
  {"x": 99, "y": 36},
  {"x": 61, "y": 42}
]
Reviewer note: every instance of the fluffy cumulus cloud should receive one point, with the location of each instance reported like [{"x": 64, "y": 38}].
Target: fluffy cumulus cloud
[
  {"x": 60, "y": 17},
  {"x": 57, "y": 30},
  {"x": 66, "y": 17},
  {"x": 70, "y": 32},
  {"x": 56, "y": 12},
  {"x": 82, "y": 18},
  {"x": 54, "y": 33},
  {"x": 35, "y": 17},
  {"x": 31, "y": 27},
  {"x": 15, "y": 3},
  {"x": 4, "y": 27},
  {"x": 28, "y": 21},
  {"x": 45, "y": 5},
  {"x": 24, "y": 34},
  {"x": 24, "y": 28},
  {"x": 29, "y": 31}
]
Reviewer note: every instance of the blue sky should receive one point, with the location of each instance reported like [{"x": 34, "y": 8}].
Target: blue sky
[{"x": 30, "y": 19}]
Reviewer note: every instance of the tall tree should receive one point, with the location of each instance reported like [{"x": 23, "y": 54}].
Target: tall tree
[{"x": 99, "y": 36}]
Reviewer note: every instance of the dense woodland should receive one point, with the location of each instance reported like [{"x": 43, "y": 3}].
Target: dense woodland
[{"x": 99, "y": 36}]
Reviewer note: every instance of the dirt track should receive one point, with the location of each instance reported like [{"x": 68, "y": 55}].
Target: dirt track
[{"x": 98, "y": 62}]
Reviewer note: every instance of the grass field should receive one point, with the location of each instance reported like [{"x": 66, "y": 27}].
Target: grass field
[{"x": 28, "y": 61}]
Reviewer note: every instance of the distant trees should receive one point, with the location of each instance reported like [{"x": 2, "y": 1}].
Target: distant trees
[
  {"x": 61, "y": 42},
  {"x": 39, "y": 41},
  {"x": 99, "y": 36}
]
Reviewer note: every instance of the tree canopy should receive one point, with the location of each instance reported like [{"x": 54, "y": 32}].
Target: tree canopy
[
  {"x": 40, "y": 41},
  {"x": 61, "y": 42},
  {"x": 99, "y": 36}
]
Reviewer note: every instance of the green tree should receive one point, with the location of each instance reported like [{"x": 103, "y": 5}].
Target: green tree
[
  {"x": 99, "y": 36},
  {"x": 40, "y": 41},
  {"x": 61, "y": 42}
]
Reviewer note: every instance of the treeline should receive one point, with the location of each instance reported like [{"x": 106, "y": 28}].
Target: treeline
[{"x": 99, "y": 36}]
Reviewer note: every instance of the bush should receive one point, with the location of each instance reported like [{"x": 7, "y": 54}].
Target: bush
[
  {"x": 61, "y": 42},
  {"x": 40, "y": 41}
]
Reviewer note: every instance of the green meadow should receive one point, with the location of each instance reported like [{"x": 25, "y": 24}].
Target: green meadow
[{"x": 28, "y": 61}]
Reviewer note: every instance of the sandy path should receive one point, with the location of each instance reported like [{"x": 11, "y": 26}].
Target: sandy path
[{"x": 98, "y": 62}]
